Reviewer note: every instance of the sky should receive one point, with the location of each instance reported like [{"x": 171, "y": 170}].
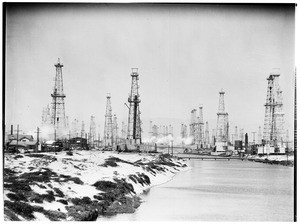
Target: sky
[{"x": 185, "y": 55}]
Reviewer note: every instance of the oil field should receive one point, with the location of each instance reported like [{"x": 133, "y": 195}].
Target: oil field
[{"x": 114, "y": 112}]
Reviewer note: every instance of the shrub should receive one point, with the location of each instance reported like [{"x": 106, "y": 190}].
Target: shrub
[
  {"x": 58, "y": 192},
  {"x": 16, "y": 186},
  {"x": 18, "y": 156},
  {"x": 54, "y": 215},
  {"x": 145, "y": 177},
  {"x": 63, "y": 201},
  {"x": 76, "y": 180},
  {"x": 109, "y": 163},
  {"x": 38, "y": 176},
  {"x": 105, "y": 185},
  {"x": 19, "y": 196},
  {"x": 20, "y": 208}
]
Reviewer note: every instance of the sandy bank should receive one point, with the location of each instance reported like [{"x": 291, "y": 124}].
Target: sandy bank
[{"x": 81, "y": 185}]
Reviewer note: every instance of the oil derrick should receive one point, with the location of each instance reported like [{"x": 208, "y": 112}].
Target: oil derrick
[
  {"x": 46, "y": 118},
  {"x": 115, "y": 130},
  {"x": 182, "y": 131},
  {"x": 236, "y": 136},
  {"x": 58, "y": 119},
  {"x": 74, "y": 128},
  {"x": 222, "y": 122},
  {"x": 242, "y": 134},
  {"x": 150, "y": 130},
  {"x": 273, "y": 123},
  {"x": 92, "y": 132},
  {"x": 206, "y": 138},
  {"x": 287, "y": 139},
  {"x": 67, "y": 122},
  {"x": 170, "y": 130},
  {"x": 213, "y": 136},
  {"x": 201, "y": 126},
  {"x": 259, "y": 135},
  {"x": 155, "y": 131},
  {"x": 192, "y": 125},
  {"x": 134, "y": 116},
  {"x": 108, "y": 134},
  {"x": 123, "y": 131},
  {"x": 160, "y": 134},
  {"x": 82, "y": 131}
]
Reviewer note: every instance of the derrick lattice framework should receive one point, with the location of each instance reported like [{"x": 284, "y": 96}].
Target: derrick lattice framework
[
  {"x": 273, "y": 123},
  {"x": 201, "y": 126},
  {"x": 115, "y": 129},
  {"x": 108, "y": 132},
  {"x": 193, "y": 126},
  {"x": 58, "y": 118},
  {"x": 206, "y": 138},
  {"x": 222, "y": 122},
  {"x": 92, "y": 132},
  {"x": 134, "y": 116}
]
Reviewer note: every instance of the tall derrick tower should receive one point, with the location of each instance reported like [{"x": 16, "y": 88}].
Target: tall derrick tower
[
  {"x": 192, "y": 125},
  {"x": 123, "y": 131},
  {"x": 259, "y": 135},
  {"x": 222, "y": 122},
  {"x": 82, "y": 131},
  {"x": 58, "y": 118},
  {"x": 206, "y": 138},
  {"x": 150, "y": 130},
  {"x": 92, "y": 133},
  {"x": 155, "y": 131},
  {"x": 201, "y": 126},
  {"x": 273, "y": 123},
  {"x": 115, "y": 129},
  {"x": 108, "y": 134},
  {"x": 134, "y": 116},
  {"x": 74, "y": 128},
  {"x": 236, "y": 135},
  {"x": 46, "y": 118},
  {"x": 242, "y": 135}
]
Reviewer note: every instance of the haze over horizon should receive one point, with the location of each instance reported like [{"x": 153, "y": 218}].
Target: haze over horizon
[{"x": 185, "y": 55}]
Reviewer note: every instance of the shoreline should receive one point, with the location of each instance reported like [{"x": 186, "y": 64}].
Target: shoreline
[
  {"x": 273, "y": 160},
  {"x": 82, "y": 185}
]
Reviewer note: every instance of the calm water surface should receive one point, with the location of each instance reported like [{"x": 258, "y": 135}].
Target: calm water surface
[{"x": 220, "y": 191}]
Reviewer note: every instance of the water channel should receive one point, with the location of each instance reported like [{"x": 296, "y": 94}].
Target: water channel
[{"x": 220, "y": 191}]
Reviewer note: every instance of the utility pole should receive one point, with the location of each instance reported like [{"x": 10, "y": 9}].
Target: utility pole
[
  {"x": 18, "y": 136},
  {"x": 37, "y": 138}
]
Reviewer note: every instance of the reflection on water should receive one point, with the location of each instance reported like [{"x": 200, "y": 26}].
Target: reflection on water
[{"x": 220, "y": 191}]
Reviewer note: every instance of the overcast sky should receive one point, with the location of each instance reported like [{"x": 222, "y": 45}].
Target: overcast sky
[{"x": 185, "y": 55}]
